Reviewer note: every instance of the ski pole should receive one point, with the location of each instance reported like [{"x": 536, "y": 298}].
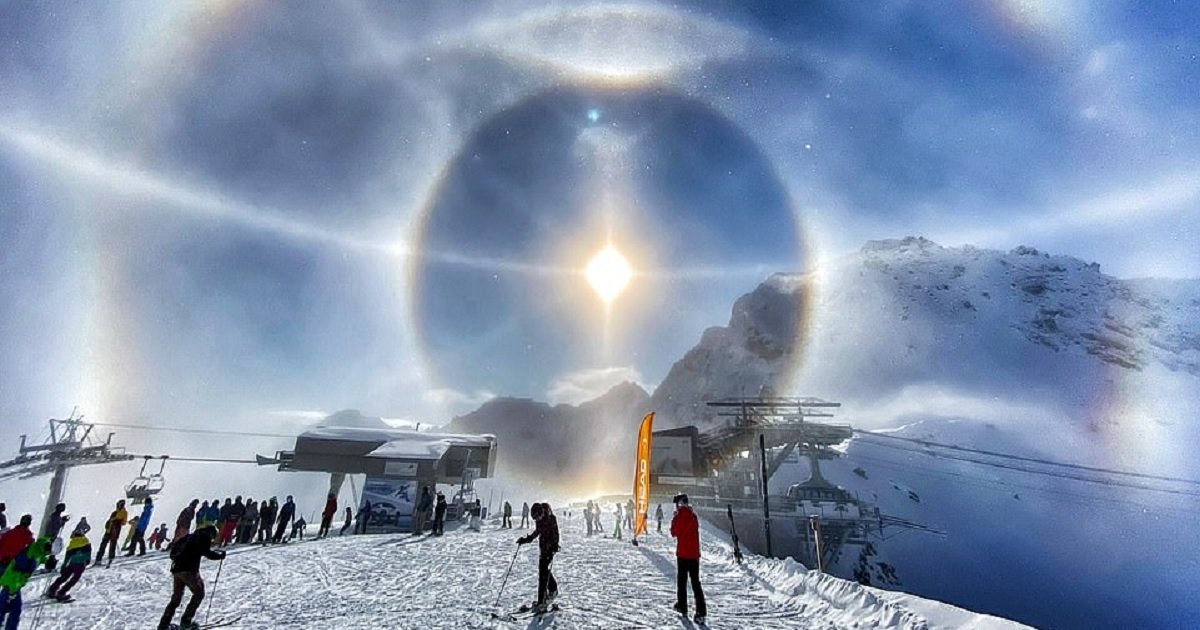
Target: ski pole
[
  {"x": 496, "y": 606},
  {"x": 216, "y": 581}
]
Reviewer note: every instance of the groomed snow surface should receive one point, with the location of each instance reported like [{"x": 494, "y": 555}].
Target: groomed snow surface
[{"x": 401, "y": 581}]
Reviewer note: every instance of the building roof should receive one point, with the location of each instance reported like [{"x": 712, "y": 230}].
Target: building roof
[{"x": 400, "y": 444}]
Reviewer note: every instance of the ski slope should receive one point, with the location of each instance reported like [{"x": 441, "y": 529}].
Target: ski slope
[{"x": 451, "y": 582}]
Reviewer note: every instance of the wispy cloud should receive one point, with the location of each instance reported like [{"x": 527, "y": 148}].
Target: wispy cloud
[{"x": 584, "y": 385}]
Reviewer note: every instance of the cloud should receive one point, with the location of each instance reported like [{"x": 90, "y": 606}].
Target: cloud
[
  {"x": 456, "y": 401},
  {"x": 584, "y": 385},
  {"x": 307, "y": 415}
]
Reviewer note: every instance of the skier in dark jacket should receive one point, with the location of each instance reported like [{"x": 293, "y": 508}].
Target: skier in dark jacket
[
  {"x": 185, "y": 572},
  {"x": 183, "y": 524},
  {"x": 266, "y": 520},
  {"x": 286, "y": 513},
  {"x": 421, "y": 511},
  {"x": 439, "y": 515},
  {"x": 524, "y": 514},
  {"x": 327, "y": 515},
  {"x": 506, "y": 522},
  {"x": 364, "y": 518},
  {"x": 54, "y": 526},
  {"x": 658, "y": 516},
  {"x": 546, "y": 531},
  {"x": 686, "y": 530}
]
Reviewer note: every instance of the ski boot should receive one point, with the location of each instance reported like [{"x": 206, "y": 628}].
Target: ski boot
[
  {"x": 699, "y": 619},
  {"x": 680, "y": 608}
]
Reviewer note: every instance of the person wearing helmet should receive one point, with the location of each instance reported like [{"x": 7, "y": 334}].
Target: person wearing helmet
[
  {"x": 686, "y": 529},
  {"x": 185, "y": 574},
  {"x": 546, "y": 531}
]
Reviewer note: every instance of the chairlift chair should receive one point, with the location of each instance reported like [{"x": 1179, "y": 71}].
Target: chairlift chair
[{"x": 145, "y": 485}]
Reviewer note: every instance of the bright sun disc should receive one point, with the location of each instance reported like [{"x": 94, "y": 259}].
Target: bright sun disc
[{"x": 609, "y": 273}]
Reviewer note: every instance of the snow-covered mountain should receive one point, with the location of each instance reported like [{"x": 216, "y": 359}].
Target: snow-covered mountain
[
  {"x": 456, "y": 581},
  {"x": 562, "y": 444},
  {"x": 1021, "y": 352}
]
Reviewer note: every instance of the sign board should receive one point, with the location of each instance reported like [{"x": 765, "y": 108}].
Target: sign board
[
  {"x": 676, "y": 481},
  {"x": 671, "y": 455},
  {"x": 400, "y": 469},
  {"x": 391, "y": 500}
]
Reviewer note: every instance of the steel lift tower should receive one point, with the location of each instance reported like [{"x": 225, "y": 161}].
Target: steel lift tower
[{"x": 71, "y": 443}]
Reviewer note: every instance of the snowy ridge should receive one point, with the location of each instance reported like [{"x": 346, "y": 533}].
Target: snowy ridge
[{"x": 452, "y": 581}]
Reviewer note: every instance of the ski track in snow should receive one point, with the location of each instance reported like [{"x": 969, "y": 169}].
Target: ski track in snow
[{"x": 401, "y": 581}]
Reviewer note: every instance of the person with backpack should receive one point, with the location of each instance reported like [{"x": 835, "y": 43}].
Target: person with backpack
[
  {"x": 139, "y": 530},
  {"x": 685, "y": 527},
  {"x": 185, "y": 574},
  {"x": 13, "y": 541},
  {"x": 111, "y": 538},
  {"x": 75, "y": 562},
  {"x": 546, "y": 531},
  {"x": 14, "y": 578}
]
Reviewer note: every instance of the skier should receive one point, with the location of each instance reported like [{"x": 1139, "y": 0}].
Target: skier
[
  {"x": 349, "y": 521},
  {"x": 266, "y": 520},
  {"x": 364, "y": 518},
  {"x": 249, "y": 522},
  {"x": 54, "y": 526},
  {"x": 298, "y": 529},
  {"x": 327, "y": 515},
  {"x": 629, "y": 515},
  {"x": 225, "y": 521},
  {"x": 78, "y": 555},
  {"x": 16, "y": 576},
  {"x": 506, "y": 520},
  {"x": 524, "y": 514},
  {"x": 139, "y": 530},
  {"x": 213, "y": 515},
  {"x": 129, "y": 534},
  {"x": 686, "y": 530},
  {"x": 183, "y": 523},
  {"x": 617, "y": 529},
  {"x": 111, "y": 537},
  {"x": 286, "y": 513},
  {"x": 658, "y": 515},
  {"x": 237, "y": 512},
  {"x": 160, "y": 536},
  {"x": 439, "y": 515},
  {"x": 422, "y": 511},
  {"x": 599, "y": 527},
  {"x": 201, "y": 516},
  {"x": 13, "y": 541},
  {"x": 185, "y": 573},
  {"x": 546, "y": 531}
]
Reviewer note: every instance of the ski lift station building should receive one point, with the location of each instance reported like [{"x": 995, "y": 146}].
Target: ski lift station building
[{"x": 427, "y": 458}]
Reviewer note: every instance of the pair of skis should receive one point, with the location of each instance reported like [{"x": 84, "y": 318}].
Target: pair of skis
[
  {"x": 220, "y": 623},
  {"x": 525, "y": 612}
]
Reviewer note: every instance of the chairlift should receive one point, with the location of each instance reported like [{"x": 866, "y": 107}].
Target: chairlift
[{"x": 145, "y": 485}]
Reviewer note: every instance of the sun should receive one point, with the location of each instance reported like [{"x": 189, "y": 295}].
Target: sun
[{"x": 609, "y": 273}]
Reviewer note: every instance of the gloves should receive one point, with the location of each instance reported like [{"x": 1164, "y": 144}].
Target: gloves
[{"x": 521, "y": 541}]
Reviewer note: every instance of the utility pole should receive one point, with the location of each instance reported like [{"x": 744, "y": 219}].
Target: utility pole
[
  {"x": 814, "y": 524},
  {"x": 762, "y": 447}
]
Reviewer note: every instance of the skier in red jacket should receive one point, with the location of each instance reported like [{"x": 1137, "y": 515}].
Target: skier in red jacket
[{"x": 686, "y": 530}]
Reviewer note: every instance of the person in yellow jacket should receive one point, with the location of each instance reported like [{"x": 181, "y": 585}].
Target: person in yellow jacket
[
  {"x": 79, "y": 553},
  {"x": 111, "y": 538}
]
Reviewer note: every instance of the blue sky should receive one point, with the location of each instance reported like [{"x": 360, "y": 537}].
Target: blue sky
[{"x": 216, "y": 213}]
